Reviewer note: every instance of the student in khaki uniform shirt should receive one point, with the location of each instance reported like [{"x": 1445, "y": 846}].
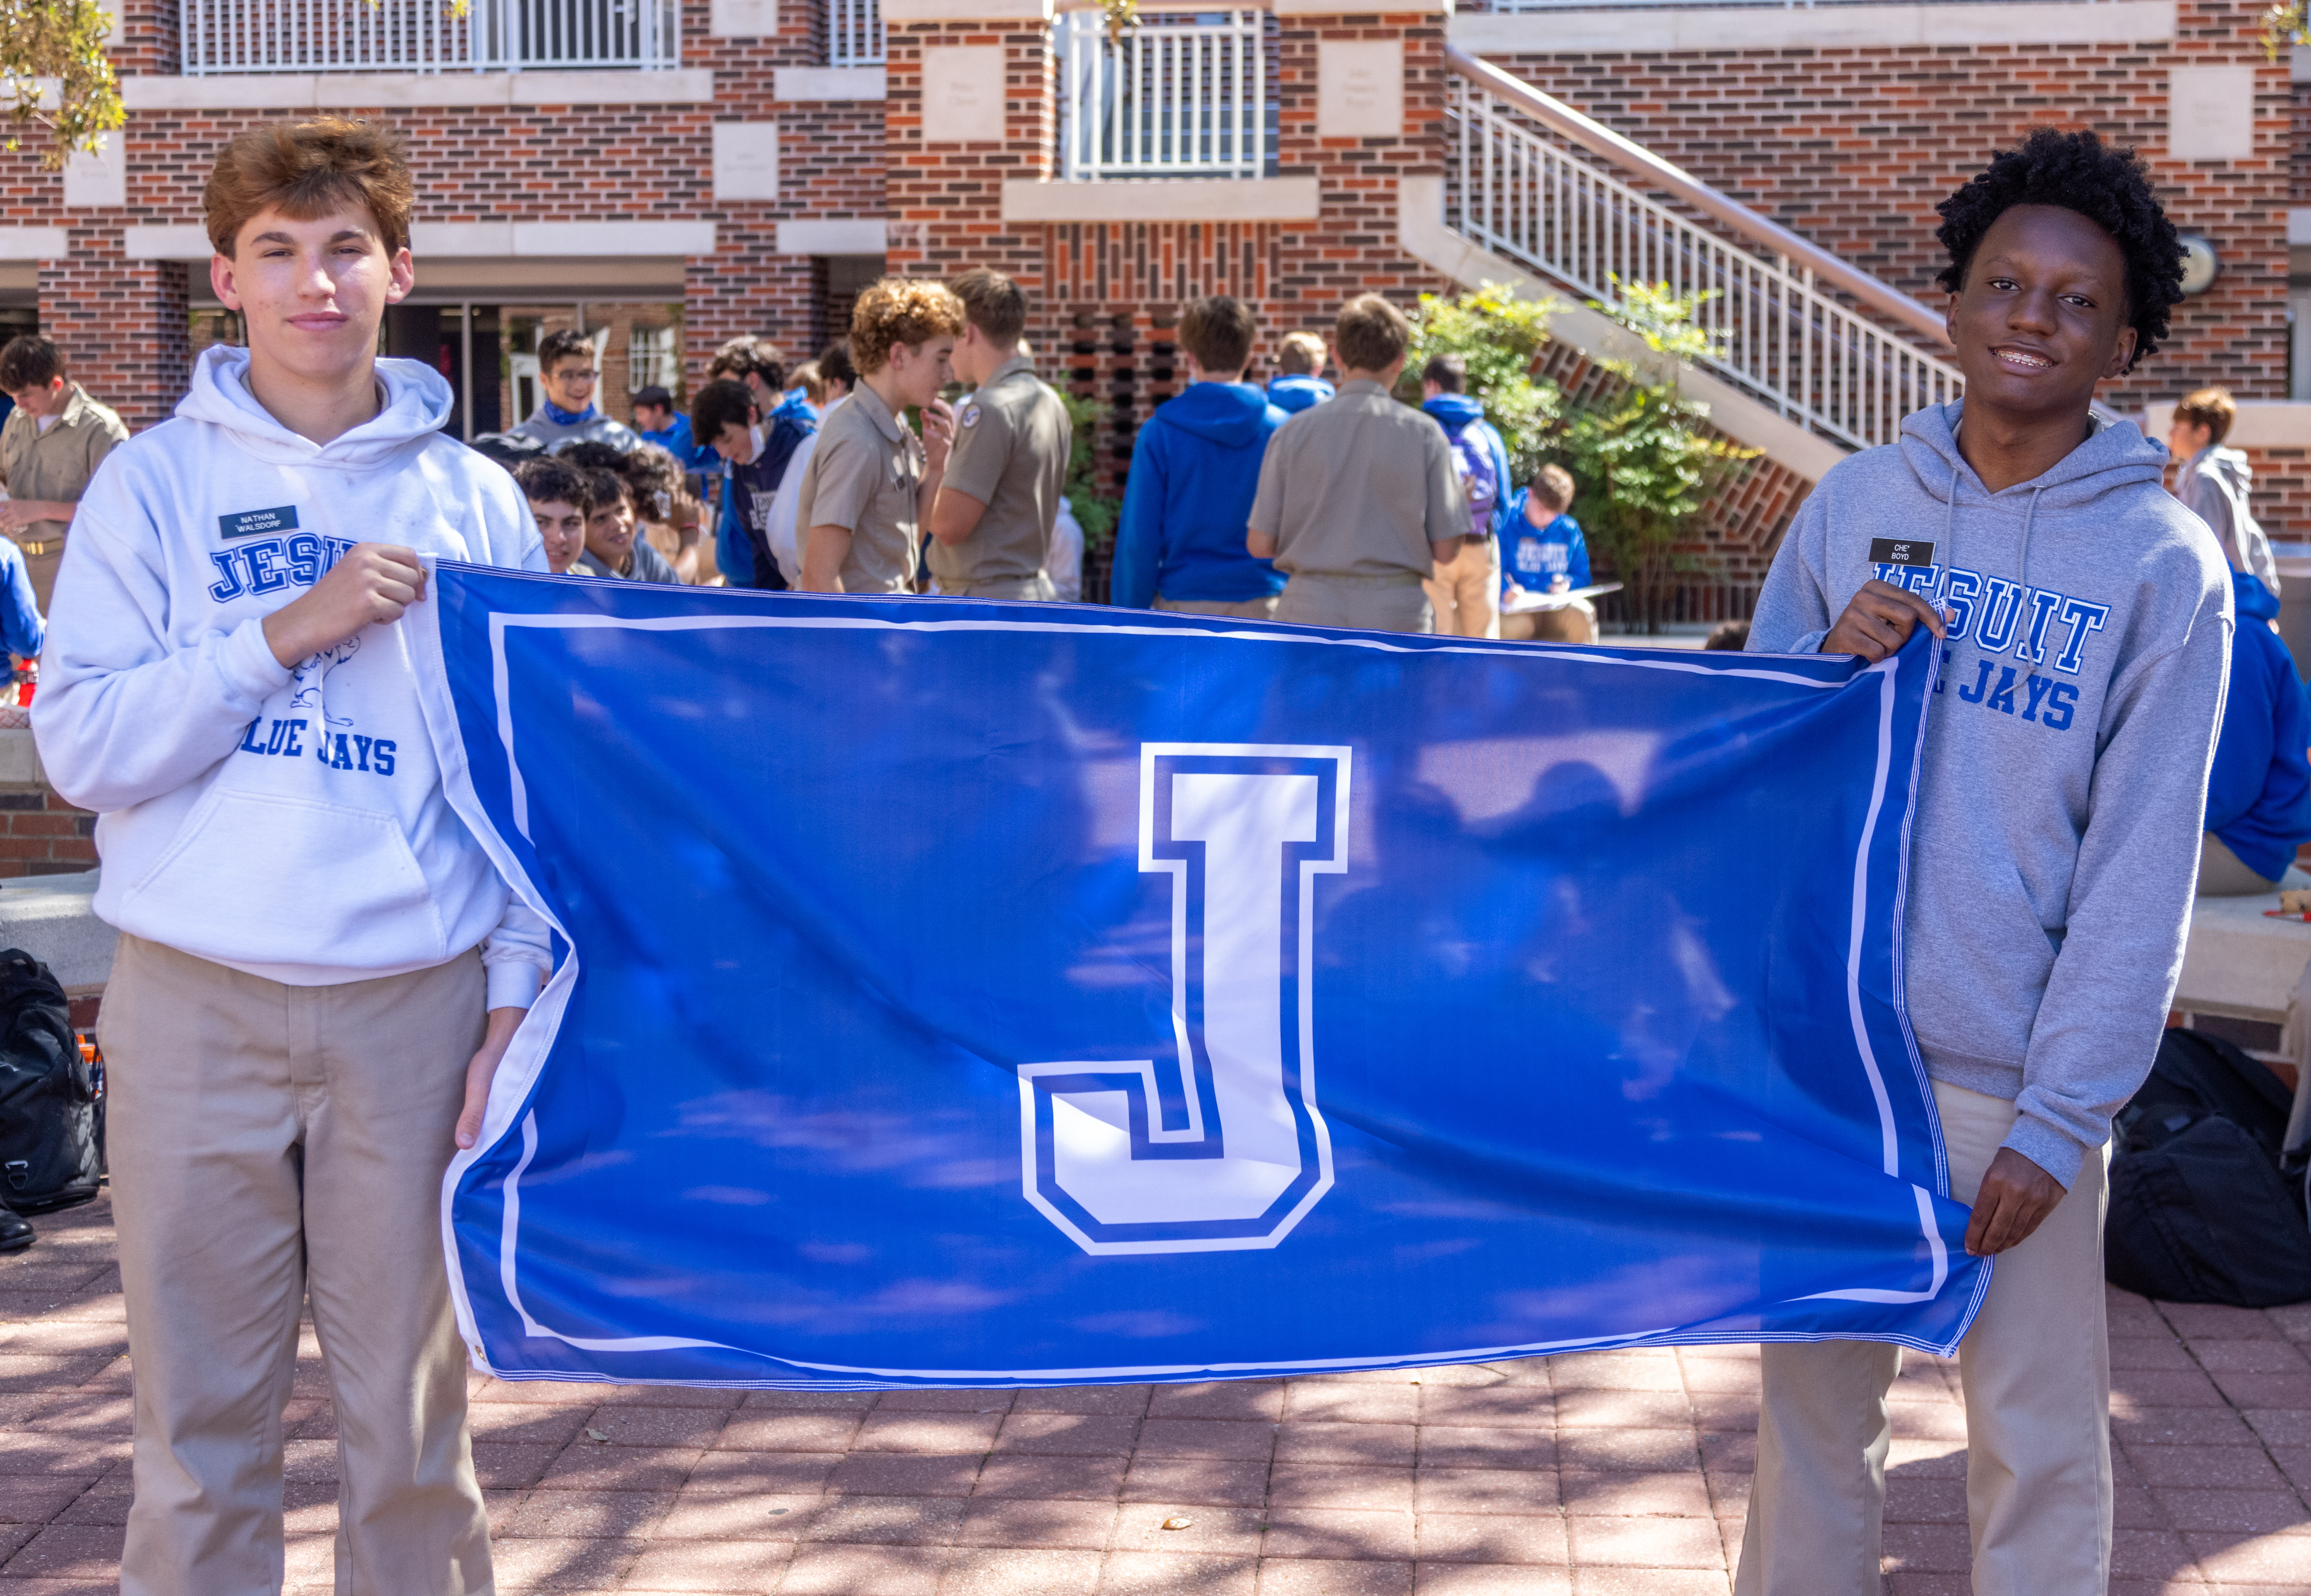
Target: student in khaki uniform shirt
[
  {"x": 1357, "y": 498},
  {"x": 51, "y": 445},
  {"x": 992, "y": 520},
  {"x": 862, "y": 492}
]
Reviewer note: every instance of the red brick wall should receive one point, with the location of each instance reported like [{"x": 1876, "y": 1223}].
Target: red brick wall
[
  {"x": 41, "y": 835},
  {"x": 1854, "y": 147}
]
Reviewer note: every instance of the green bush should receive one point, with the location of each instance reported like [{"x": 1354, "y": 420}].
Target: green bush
[
  {"x": 1095, "y": 512},
  {"x": 1500, "y": 335},
  {"x": 1642, "y": 462}
]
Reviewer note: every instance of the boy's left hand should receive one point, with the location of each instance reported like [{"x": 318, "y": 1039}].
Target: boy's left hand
[
  {"x": 2015, "y": 1199},
  {"x": 483, "y": 1070}
]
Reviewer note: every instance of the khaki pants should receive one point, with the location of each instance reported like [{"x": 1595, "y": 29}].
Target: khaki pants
[
  {"x": 1366, "y": 603},
  {"x": 42, "y": 556},
  {"x": 2224, "y": 874},
  {"x": 2035, "y": 1369},
  {"x": 267, "y": 1142},
  {"x": 1575, "y": 623},
  {"x": 1465, "y": 591},
  {"x": 1258, "y": 609},
  {"x": 1036, "y": 589}
]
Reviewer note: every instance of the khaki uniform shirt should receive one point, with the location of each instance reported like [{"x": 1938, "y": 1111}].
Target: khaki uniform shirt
[
  {"x": 1358, "y": 486},
  {"x": 865, "y": 474},
  {"x": 57, "y": 463},
  {"x": 1011, "y": 442}
]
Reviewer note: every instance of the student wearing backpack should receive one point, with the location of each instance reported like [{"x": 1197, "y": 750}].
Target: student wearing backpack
[
  {"x": 319, "y": 967},
  {"x": 2084, "y": 619},
  {"x": 1465, "y": 590}
]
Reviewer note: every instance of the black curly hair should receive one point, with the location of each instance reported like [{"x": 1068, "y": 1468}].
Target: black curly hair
[{"x": 2108, "y": 186}]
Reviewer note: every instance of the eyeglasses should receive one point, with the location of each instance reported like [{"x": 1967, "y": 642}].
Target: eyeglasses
[{"x": 582, "y": 379}]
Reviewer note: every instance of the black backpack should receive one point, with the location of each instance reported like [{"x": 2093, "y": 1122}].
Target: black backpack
[
  {"x": 2201, "y": 1209},
  {"x": 49, "y": 1155}
]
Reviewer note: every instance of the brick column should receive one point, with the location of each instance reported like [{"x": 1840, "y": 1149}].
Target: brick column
[
  {"x": 948, "y": 149},
  {"x": 122, "y": 323}
]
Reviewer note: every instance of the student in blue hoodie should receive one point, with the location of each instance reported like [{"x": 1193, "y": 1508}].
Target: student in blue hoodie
[
  {"x": 1296, "y": 386},
  {"x": 1194, "y": 467},
  {"x": 1466, "y": 588},
  {"x": 1543, "y": 550},
  {"x": 2259, "y": 796},
  {"x": 2084, "y": 621}
]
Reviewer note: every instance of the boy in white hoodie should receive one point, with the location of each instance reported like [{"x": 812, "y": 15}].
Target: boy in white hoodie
[{"x": 319, "y": 967}]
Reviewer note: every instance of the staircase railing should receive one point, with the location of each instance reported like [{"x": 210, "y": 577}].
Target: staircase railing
[{"x": 1778, "y": 333}]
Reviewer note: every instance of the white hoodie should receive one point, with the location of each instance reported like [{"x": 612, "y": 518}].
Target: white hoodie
[{"x": 286, "y": 823}]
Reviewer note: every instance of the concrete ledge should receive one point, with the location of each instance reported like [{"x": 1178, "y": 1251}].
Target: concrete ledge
[
  {"x": 20, "y": 759},
  {"x": 1667, "y": 30},
  {"x": 1164, "y": 199},
  {"x": 841, "y": 235},
  {"x": 323, "y": 90},
  {"x": 2262, "y": 423},
  {"x": 1421, "y": 234},
  {"x": 34, "y": 243},
  {"x": 2298, "y": 224},
  {"x": 1334, "y": 8},
  {"x": 796, "y": 85},
  {"x": 50, "y": 918},
  {"x": 2237, "y": 962},
  {"x": 471, "y": 240},
  {"x": 897, "y": 12}
]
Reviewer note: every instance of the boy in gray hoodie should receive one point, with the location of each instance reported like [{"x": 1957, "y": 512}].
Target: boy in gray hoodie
[{"x": 2084, "y": 621}]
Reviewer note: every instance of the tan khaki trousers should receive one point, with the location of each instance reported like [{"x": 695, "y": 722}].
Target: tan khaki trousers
[
  {"x": 1258, "y": 609},
  {"x": 1465, "y": 591},
  {"x": 1364, "y": 603},
  {"x": 2035, "y": 1369},
  {"x": 1036, "y": 589},
  {"x": 267, "y": 1142}
]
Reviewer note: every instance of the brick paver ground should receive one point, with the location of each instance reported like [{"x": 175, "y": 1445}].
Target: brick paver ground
[{"x": 1597, "y": 1475}]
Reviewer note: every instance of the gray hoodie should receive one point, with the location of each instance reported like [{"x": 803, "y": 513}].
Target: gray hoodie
[
  {"x": 2215, "y": 483},
  {"x": 2063, "y": 783}
]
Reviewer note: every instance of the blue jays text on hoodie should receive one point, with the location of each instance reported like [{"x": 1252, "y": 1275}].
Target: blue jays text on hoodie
[
  {"x": 1292, "y": 395},
  {"x": 1463, "y": 421},
  {"x": 2055, "y": 843},
  {"x": 1195, "y": 467},
  {"x": 2259, "y": 796},
  {"x": 287, "y": 822}
]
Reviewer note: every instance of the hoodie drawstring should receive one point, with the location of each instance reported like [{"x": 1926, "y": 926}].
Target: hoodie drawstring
[{"x": 2022, "y": 593}]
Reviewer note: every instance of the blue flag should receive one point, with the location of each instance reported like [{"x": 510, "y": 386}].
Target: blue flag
[{"x": 961, "y": 993}]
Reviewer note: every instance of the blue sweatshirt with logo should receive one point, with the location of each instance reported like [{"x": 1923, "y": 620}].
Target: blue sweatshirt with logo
[
  {"x": 1293, "y": 395},
  {"x": 1534, "y": 557},
  {"x": 1194, "y": 468},
  {"x": 2064, "y": 780},
  {"x": 2259, "y": 794}
]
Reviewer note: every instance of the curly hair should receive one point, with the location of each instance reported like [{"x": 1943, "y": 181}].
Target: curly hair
[
  {"x": 901, "y": 310},
  {"x": 655, "y": 476},
  {"x": 2108, "y": 186}
]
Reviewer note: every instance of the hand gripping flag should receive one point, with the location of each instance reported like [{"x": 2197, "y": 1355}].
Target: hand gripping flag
[{"x": 964, "y": 993}]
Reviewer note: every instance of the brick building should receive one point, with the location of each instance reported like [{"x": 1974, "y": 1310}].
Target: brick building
[{"x": 666, "y": 173}]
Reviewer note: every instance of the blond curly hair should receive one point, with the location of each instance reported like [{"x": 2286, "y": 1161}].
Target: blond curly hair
[{"x": 901, "y": 310}]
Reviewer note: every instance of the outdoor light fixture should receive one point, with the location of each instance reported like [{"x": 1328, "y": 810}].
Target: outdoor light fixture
[{"x": 2201, "y": 265}]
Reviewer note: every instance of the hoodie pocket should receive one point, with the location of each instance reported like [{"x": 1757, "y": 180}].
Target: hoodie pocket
[{"x": 257, "y": 878}]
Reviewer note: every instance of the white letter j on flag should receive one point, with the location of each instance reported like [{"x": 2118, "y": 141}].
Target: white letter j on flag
[{"x": 1220, "y": 1147}]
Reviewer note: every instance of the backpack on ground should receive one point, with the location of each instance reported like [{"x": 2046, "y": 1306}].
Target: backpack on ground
[
  {"x": 48, "y": 1157},
  {"x": 2201, "y": 1209}
]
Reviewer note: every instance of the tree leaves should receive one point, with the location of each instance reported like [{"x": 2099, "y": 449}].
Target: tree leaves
[{"x": 53, "y": 72}]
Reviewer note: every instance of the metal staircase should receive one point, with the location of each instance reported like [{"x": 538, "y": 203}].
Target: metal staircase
[{"x": 1817, "y": 340}]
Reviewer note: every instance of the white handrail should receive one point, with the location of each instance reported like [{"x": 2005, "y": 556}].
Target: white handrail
[
  {"x": 1775, "y": 332},
  {"x": 1174, "y": 97},
  {"x": 1762, "y": 231},
  {"x": 426, "y": 36}
]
